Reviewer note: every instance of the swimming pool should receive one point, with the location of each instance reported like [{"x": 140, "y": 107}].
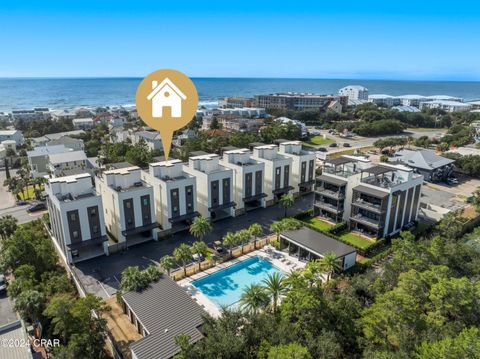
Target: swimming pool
[{"x": 225, "y": 287}]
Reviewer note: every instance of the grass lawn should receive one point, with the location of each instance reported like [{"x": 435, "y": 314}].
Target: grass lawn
[
  {"x": 356, "y": 240},
  {"x": 30, "y": 193},
  {"x": 318, "y": 224},
  {"x": 425, "y": 129},
  {"x": 318, "y": 141}
]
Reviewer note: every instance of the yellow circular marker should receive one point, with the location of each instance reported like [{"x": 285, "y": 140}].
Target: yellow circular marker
[{"x": 166, "y": 100}]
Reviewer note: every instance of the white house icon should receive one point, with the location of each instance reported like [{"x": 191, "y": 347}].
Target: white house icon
[{"x": 166, "y": 94}]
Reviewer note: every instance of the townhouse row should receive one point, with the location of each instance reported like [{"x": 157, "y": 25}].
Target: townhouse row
[
  {"x": 375, "y": 200},
  {"x": 131, "y": 205}
]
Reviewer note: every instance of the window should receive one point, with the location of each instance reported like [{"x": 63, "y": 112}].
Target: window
[
  {"x": 75, "y": 234},
  {"x": 145, "y": 202},
  {"x": 175, "y": 208},
  {"x": 128, "y": 204},
  {"x": 95, "y": 229},
  {"x": 129, "y": 221},
  {"x": 93, "y": 212},
  {"x": 73, "y": 217}
]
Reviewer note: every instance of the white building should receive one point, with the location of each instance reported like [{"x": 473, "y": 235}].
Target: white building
[
  {"x": 248, "y": 179},
  {"x": 127, "y": 201},
  {"x": 278, "y": 172},
  {"x": 151, "y": 138},
  {"x": 76, "y": 144},
  {"x": 14, "y": 135},
  {"x": 449, "y": 106},
  {"x": 76, "y": 217},
  {"x": 214, "y": 186},
  {"x": 303, "y": 166},
  {"x": 412, "y": 100},
  {"x": 384, "y": 100},
  {"x": 38, "y": 158},
  {"x": 175, "y": 194},
  {"x": 83, "y": 123},
  {"x": 354, "y": 92},
  {"x": 376, "y": 200},
  {"x": 58, "y": 163}
]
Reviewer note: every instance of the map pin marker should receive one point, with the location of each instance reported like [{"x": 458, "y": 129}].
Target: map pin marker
[{"x": 166, "y": 101}]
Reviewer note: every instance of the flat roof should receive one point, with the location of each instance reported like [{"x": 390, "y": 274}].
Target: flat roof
[
  {"x": 378, "y": 170},
  {"x": 165, "y": 310},
  {"x": 317, "y": 242},
  {"x": 371, "y": 191},
  {"x": 67, "y": 157}
]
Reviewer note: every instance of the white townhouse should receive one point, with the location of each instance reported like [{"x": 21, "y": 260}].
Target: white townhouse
[
  {"x": 13, "y": 135},
  {"x": 38, "y": 158},
  {"x": 278, "y": 172},
  {"x": 214, "y": 186},
  {"x": 83, "y": 123},
  {"x": 58, "y": 163},
  {"x": 128, "y": 204},
  {"x": 248, "y": 178},
  {"x": 175, "y": 193},
  {"x": 303, "y": 166},
  {"x": 76, "y": 217}
]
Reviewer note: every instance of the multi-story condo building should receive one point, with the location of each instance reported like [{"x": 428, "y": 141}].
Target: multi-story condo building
[
  {"x": 278, "y": 172},
  {"x": 127, "y": 201},
  {"x": 303, "y": 166},
  {"x": 214, "y": 186},
  {"x": 447, "y": 105},
  {"x": 39, "y": 157},
  {"x": 58, "y": 163},
  {"x": 248, "y": 179},
  {"x": 13, "y": 135},
  {"x": 175, "y": 194},
  {"x": 298, "y": 101},
  {"x": 354, "y": 92},
  {"x": 333, "y": 190},
  {"x": 76, "y": 217},
  {"x": 229, "y": 102},
  {"x": 376, "y": 200}
]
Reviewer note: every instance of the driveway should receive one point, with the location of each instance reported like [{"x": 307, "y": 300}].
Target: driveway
[
  {"x": 101, "y": 275},
  {"x": 7, "y": 315},
  {"x": 6, "y": 198}
]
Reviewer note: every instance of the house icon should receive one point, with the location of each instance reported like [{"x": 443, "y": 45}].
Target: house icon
[{"x": 166, "y": 94}]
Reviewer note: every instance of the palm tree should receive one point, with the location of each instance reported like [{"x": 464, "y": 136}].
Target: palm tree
[
  {"x": 254, "y": 298},
  {"x": 255, "y": 230},
  {"x": 133, "y": 279},
  {"x": 243, "y": 236},
  {"x": 275, "y": 287},
  {"x": 230, "y": 240},
  {"x": 183, "y": 254},
  {"x": 278, "y": 227},
  {"x": 201, "y": 249},
  {"x": 200, "y": 227},
  {"x": 8, "y": 225},
  {"x": 168, "y": 263},
  {"x": 329, "y": 263},
  {"x": 286, "y": 201},
  {"x": 294, "y": 279}
]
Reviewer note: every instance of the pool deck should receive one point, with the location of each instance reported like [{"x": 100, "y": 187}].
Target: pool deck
[{"x": 279, "y": 259}]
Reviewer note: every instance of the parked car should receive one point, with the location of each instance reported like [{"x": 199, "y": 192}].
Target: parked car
[
  {"x": 322, "y": 149},
  {"x": 346, "y": 145},
  {"x": 3, "y": 283},
  {"x": 332, "y": 145},
  {"x": 38, "y": 206},
  {"x": 452, "y": 180},
  {"x": 22, "y": 203},
  {"x": 197, "y": 257}
]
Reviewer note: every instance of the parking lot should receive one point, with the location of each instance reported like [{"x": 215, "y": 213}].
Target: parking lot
[
  {"x": 101, "y": 275},
  {"x": 7, "y": 315}
]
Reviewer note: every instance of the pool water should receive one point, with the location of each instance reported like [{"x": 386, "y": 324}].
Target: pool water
[{"x": 225, "y": 287}]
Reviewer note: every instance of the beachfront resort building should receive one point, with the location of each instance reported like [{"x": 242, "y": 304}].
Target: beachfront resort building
[
  {"x": 278, "y": 172},
  {"x": 76, "y": 217},
  {"x": 303, "y": 166},
  {"x": 214, "y": 186},
  {"x": 354, "y": 92},
  {"x": 376, "y": 200},
  {"x": 128, "y": 205},
  {"x": 175, "y": 193},
  {"x": 248, "y": 179},
  {"x": 298, "y": 101}
]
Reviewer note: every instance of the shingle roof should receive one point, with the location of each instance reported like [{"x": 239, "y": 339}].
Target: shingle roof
[
  {"x": 425, "y": 159},
  {"x": 165, "y": 310},
  {"x": 318, "y": 242}
]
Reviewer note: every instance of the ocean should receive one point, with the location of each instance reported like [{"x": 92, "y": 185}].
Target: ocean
[{"x": 25, "y": 93}]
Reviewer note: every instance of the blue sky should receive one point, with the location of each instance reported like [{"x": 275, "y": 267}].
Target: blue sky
[{"x": 318, "y": 39}]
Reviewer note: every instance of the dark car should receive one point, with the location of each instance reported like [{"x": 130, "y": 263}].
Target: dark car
[
  {"x": 22, "y": 203},
  {"x": 346, "y": 145},
  {"x": 3, "y": 283},
  {"x": 36, "y": 207},
  {"x": 322, "y": 149},
  {"x": 332, "y": 145}
]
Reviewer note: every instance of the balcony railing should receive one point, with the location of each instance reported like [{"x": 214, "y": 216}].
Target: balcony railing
[
  {"x": 375, "y": 223},
  {"x": 377, "y": 208},
  {"x": 328, "y": 207},
  {"x": 329, "y": 193}
]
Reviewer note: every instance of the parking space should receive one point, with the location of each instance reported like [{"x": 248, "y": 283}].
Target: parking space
[
  {"x": 465, "y": 187},
  {"x": 101, "y": 275}
]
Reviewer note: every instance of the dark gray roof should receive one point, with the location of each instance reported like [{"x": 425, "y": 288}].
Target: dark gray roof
[
  {"x": 317, "y": 242},
  {"x": 165, "y": 310},
  {"x": 378, "y": 170},
  {"x": 197, "y": 153},
  {"x": 332, "y": 180},
  {"x": 371, "y": 191},
  {"x": 425, "y": 159},
  {"x": 340, "y": 161}
]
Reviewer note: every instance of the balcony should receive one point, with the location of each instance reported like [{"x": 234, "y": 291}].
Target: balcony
[
  {"x": 328, "y": 207},
  {"x": 329, "y": 193},
  {"x": 361, "y": 203},
  {"x": 373, "y": 223}
]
